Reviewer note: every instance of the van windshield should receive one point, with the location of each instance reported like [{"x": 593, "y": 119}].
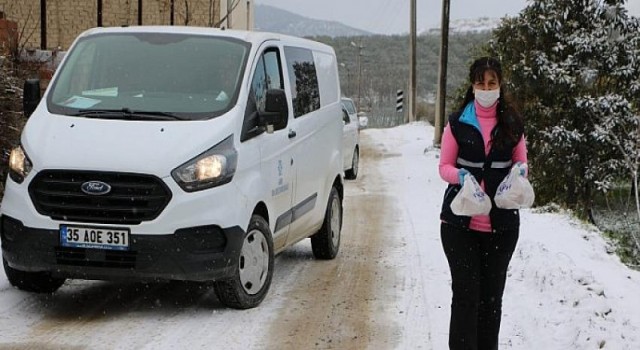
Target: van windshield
[{"x": 150, "y": 76}]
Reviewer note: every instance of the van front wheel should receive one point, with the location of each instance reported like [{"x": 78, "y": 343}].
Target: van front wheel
[
  {"x": 252, "y": 278},
  {"x": 352, "y": 173},
  {"x": 37, "y": 282},
  {"x": 326, "y": 242}
]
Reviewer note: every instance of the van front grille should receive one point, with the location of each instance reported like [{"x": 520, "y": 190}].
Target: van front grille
[
  {"x": 95, "y": 258},
  {"x": 133, "y": 198}
]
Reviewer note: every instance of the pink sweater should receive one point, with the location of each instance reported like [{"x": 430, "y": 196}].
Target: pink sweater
[{"x": 449, "y": 155}]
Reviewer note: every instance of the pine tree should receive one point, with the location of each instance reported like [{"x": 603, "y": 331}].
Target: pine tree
[
  {"x": 617, "y": 125},
  {"x": 563, "y": 60}
]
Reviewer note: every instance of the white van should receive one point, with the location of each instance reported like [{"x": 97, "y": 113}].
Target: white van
[{"x": 176, "y": 153}]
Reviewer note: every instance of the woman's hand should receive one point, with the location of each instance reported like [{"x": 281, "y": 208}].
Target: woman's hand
[{"x": 461, "y": 173}]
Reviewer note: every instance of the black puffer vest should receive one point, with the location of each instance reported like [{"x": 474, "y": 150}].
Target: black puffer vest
[{"x": 492, "y": 168}]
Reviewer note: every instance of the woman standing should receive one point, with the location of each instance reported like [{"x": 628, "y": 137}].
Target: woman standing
[{"x": 484, "y": 138}]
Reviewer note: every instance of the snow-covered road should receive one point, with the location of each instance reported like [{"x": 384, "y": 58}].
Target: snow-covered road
[{"x": 388, "y": 288}]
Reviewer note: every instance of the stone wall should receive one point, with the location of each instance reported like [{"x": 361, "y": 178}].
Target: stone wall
[
  {"x": 65, "y": 20},
  {"x": 68, "y": 18},
  {"x": 26, "y": 13}
]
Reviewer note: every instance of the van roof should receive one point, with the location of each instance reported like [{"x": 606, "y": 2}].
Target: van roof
[{"x": 253, "y": 37}]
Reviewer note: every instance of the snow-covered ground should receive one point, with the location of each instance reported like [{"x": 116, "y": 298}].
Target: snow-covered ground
[
  {"x": 564, "y": 291},
  {"x": 388, "y": 289}
]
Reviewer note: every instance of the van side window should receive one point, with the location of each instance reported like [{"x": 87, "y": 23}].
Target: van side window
[
  {"x": 272, "y": 67},
  {"x": 350, "y": 106},
  {"x": 268, "y": 75},
  {"x": 259, "y": 85},
  {"x": 304, "y": 80}
]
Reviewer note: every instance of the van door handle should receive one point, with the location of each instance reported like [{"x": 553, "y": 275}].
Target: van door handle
[{"x": 292, "y": 134}]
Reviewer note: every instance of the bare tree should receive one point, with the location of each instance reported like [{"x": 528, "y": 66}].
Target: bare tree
[{"x": 234, "y": 4}]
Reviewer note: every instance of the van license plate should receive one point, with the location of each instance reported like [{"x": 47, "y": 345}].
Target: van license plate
[{"x": 94, "y": 237}]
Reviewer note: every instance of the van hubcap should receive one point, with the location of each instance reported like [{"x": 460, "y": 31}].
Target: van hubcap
[
  {"x": 254, "y": 262},
  {"x": 335, "y": 222},
  {"x": 356, "y": 159}
]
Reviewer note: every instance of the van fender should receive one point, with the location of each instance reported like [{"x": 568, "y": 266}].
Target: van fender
[
  {"x": 257, "y": 202},
  {"x": 337, "y": 174},
  {"x": 253, "y": 192},
  {"x": 244, "y": 215}
]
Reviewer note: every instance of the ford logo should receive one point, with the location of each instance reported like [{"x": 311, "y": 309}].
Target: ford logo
[{"x": 95, "y": 188}]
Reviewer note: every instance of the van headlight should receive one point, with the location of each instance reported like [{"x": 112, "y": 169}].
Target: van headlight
[
  {"x": 212, "y": 168},
  {"x": 19, "y": 164}
]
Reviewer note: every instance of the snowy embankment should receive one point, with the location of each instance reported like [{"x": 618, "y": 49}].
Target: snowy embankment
[{"x": 565, "y": 289}]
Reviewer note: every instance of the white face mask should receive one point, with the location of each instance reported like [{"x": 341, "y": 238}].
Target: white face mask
[{"x": 487, "y": 98}]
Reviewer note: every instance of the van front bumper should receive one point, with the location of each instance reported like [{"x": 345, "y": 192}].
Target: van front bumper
[{"x": 202, "y": 253}]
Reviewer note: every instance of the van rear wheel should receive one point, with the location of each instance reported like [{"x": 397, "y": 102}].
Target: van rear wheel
[
  {"x": 352, "y": 173},
  {"x": 252, "y": 278},
  {"x": 37, "y": 282},
  {"x": 326, "y": 242}
]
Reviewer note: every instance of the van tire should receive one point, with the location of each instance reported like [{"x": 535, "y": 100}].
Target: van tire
[
  {"x": 352, "y": 173},
  {"x": 37, "y": 282},
  {"x": 257, "y": 247},
  {"x": 326, "y": 242}
]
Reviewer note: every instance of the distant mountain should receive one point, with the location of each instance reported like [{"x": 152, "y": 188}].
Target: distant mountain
[
  {"x": 471, "y": 25},
  {"x": 273, "y": 19}
]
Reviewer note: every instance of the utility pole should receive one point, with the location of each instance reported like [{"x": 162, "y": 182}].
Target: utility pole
[
  {"x": 359, "y": 47},
  {"x": 99, "y": 13},
  {"x": 172, "y": 12},
  {"x": 412, "y": 65},
  {"x": 43, "y": 22},
  {"x": 442, "y": 82}
]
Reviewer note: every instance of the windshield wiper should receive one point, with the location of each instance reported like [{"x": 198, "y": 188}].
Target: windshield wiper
[
  {"x": 158, "y": 115},
  {"x": 126, "y": 113},
  {"x": 98, "y": 113}
]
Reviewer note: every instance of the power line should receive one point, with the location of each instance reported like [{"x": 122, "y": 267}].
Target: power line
[{"x": 383, "y": 15}]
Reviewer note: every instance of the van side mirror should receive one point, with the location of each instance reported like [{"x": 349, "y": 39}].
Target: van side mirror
[
  {"x": 276, "y": 111},
  {"x": 31, "y": 96}
]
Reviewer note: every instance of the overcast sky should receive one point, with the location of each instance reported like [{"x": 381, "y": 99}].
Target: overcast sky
[{"x": 392, "y": 16}]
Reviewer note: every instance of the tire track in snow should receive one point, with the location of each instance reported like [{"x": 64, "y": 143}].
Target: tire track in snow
[{"x": 345, "y": 303}]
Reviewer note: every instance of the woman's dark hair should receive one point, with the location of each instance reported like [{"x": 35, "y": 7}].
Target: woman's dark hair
[{"x": 510, "y": 123}]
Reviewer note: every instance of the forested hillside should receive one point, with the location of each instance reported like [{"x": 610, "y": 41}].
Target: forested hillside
[
  {"x": 385, "y": 69},
  {"x": 277, "y": 20}
]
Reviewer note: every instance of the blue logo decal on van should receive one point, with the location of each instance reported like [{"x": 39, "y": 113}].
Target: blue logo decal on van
[{"x": 95, "y": 188}]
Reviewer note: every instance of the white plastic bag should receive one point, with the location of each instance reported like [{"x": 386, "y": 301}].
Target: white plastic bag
[
  {"x": 471, "y": 200},
  {"x": 515, "y": 191}
]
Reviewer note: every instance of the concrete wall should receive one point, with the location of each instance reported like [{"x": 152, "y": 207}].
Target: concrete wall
[{"x": 68, "y": 18}]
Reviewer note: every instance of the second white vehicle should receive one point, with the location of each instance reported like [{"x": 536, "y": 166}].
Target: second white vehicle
[{"x": 351, "y": 139}]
